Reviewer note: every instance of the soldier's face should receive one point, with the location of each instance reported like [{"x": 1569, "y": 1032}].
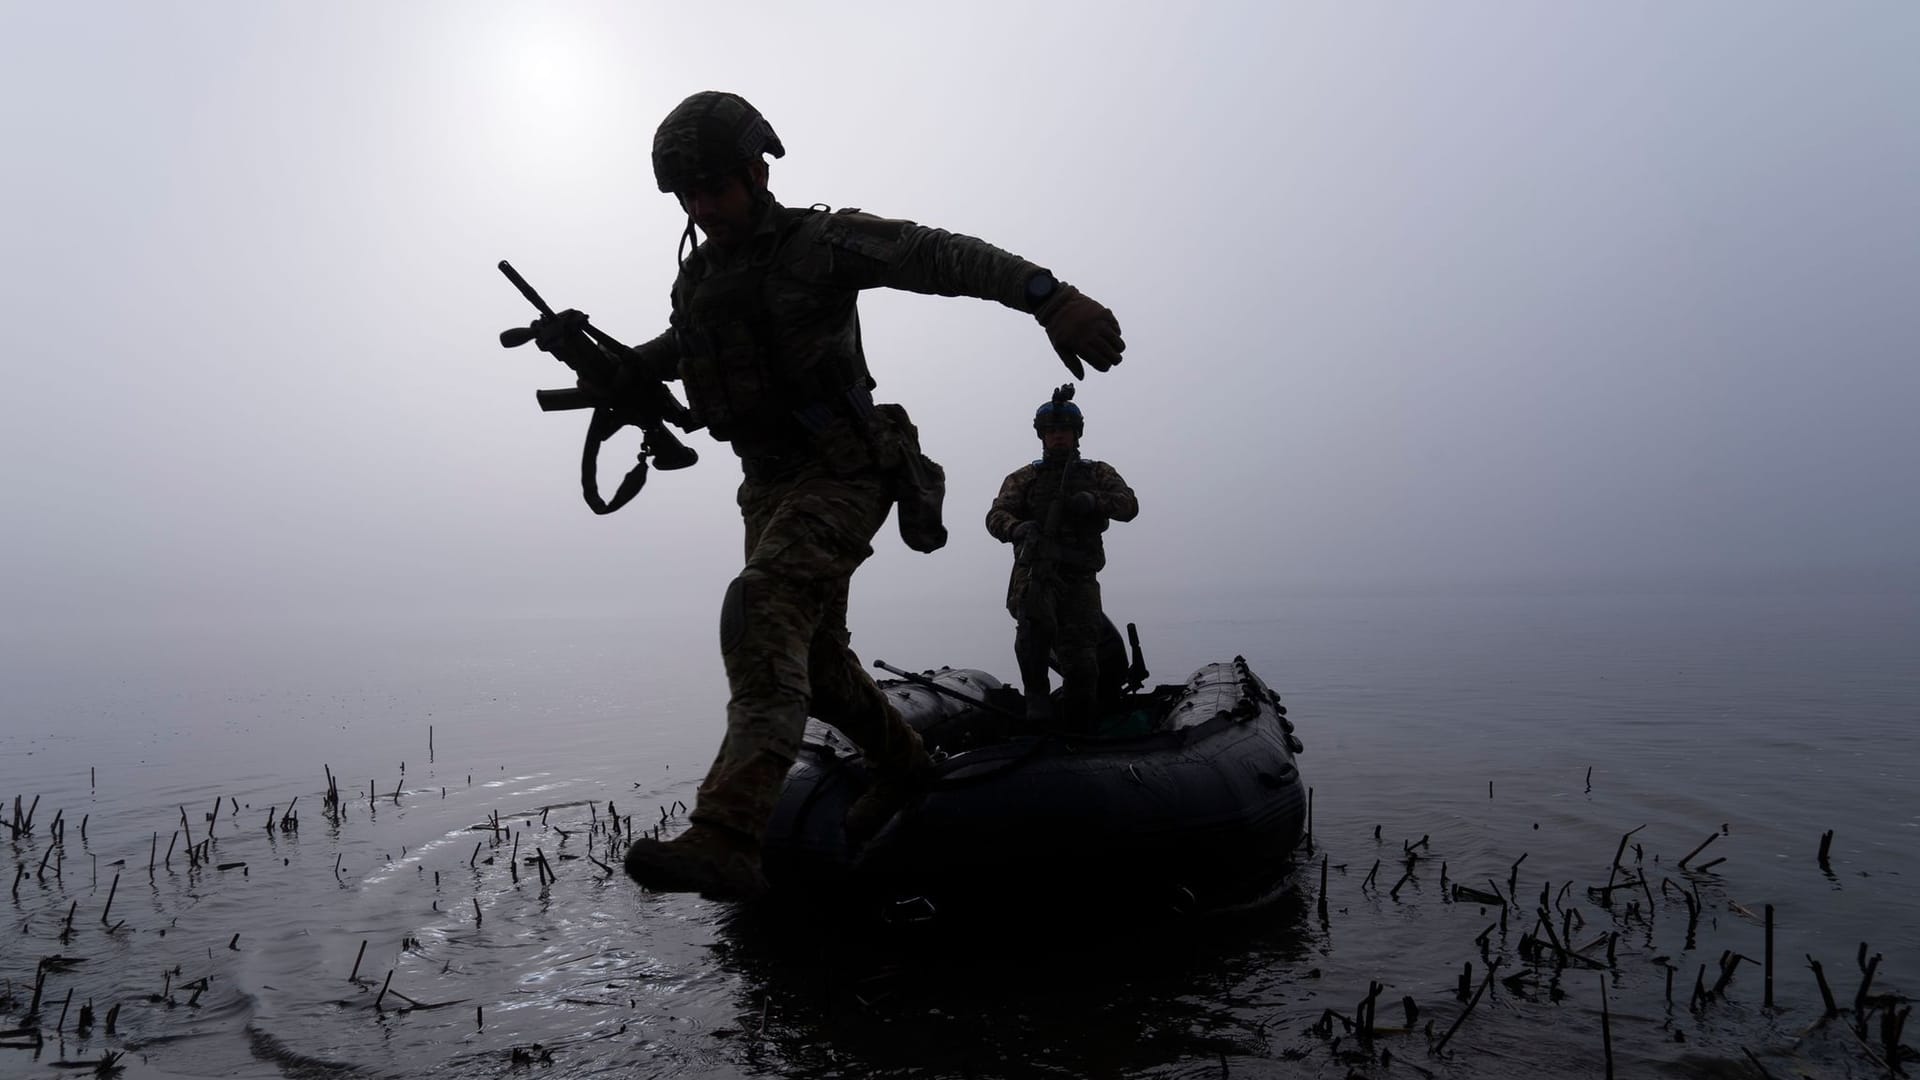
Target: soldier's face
[
  {"x": 1059, "y": 438},
  {"x": 722, "y": 206}
]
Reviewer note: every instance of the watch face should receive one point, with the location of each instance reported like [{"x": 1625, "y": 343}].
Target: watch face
[{"x": 1040, "y": 285}]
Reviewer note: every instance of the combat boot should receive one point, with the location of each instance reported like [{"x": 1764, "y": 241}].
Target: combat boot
[
  {"x": 888, "y": 792},
  {"x": 716, "y": 863}
]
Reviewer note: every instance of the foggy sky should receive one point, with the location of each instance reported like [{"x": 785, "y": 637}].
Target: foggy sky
[{"x": 1415, "y": 295}]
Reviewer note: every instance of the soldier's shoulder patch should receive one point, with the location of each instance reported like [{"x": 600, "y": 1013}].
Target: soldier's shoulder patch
[{"x": 863, "y": 234}]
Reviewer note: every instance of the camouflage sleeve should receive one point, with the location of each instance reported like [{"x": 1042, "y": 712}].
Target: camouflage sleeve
[
  {"x": 658, "y": 358},
  {"x": 1009, "y": 506},
  {"x": 1116, "y": 500},
  {"x": 874, "y": 252}
]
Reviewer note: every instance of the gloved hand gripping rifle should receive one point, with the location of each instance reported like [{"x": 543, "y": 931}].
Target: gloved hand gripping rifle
[{"x": 617, "y": 396}]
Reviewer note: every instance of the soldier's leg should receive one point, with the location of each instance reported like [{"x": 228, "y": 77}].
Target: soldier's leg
[
  {"x": 1076, "y": 646},
  {"x": 845, "y": 696},
  {"x": 815, "y": 532},
  {"x": 1036, "y": 618}
]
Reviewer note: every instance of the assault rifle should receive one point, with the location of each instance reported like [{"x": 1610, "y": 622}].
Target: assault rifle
[{"x": 616, "y": 402}]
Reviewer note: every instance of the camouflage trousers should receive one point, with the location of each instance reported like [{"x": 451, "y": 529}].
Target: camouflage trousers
[
  {"x": 1063, "y": 617},
  {"x": 784, "y": 639}
]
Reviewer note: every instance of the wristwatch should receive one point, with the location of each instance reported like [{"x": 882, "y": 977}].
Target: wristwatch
[{"x": 1040, "y": 286}]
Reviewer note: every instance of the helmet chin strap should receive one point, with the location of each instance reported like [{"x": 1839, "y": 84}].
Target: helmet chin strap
[{"x": 687, "y": 242}]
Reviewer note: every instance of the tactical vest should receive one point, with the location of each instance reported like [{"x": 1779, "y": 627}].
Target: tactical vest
[
  {"x": 771, "y": 353},
  {"x": 1078, "y": 543}
]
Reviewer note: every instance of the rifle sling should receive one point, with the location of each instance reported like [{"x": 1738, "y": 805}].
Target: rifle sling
[{"x": 602, "y": 427}]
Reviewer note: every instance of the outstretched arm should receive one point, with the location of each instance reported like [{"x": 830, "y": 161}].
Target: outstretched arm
[{"x": 869, "y": 251}]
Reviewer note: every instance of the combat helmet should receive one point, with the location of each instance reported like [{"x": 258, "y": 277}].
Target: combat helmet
[
  {"x": 1059, "y": 411},
  {"x": 710, "y": 134}
]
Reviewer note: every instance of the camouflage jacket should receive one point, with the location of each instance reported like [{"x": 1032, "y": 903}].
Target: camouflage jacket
[
  {"x": 766, "y": 337},
  {"x": 1029, "y": 491}
]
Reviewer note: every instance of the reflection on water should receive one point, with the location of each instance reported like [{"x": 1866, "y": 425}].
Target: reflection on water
[{"x": 1759, "y": 724}]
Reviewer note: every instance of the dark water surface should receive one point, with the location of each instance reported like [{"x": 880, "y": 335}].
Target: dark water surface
[{"x": 1760, "y": 720}]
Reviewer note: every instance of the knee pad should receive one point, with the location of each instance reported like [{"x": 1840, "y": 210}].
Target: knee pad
[{"x": 733, "y": 615}]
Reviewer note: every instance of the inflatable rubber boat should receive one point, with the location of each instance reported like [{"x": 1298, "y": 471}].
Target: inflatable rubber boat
[{"x": 1186, "y": 798}]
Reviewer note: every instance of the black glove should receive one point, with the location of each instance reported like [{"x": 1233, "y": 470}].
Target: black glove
[
  {"x": 561, "y": 331},
  {"x": 1083, "y": 503},
  {"x": 1080, "y": 328}
]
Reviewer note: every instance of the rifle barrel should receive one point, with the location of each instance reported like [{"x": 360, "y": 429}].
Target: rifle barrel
[
  {"x": 526, "y": 290},
  {"x": 922, "y": 680}
]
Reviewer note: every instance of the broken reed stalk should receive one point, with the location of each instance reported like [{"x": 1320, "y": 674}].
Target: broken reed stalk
[
  {"x": 1323, "y": 889},
  {"x": 476, "y": 911},
  {"x": 1893, "y": 1023},
  {"x": 115, "y": 887},
  {"x": 383, "y": 989},
  {"x": 1462, "y": 892},
  {"x": 1866, "y": 983},
  {"x": 1766, "y": 1000},
  {"x": 1703, "y": 846},
  {"x": 1729, "y": 963},
  {"x": 1826, "y": 842},
  {"x": 1826, "y": 992},
  {"x": 1395, "y": 891},
  {"x": 355, "y": 973},
  {"x": 1370, "y": 875},
  {"x": 1484, "y": 983},
  {"x": 1706, "y": 866},
  {"x": 1309, "y": 836},
  {"x": 1364, "y": 1013}
]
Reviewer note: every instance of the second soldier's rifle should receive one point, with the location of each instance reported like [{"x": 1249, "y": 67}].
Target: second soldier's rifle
[{"x": 616, "y": 397}]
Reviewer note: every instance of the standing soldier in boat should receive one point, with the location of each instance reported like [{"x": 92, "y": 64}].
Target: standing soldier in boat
[
  {"x": 765, "y": 336},
  {"x": 1053, "y": 511}
]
